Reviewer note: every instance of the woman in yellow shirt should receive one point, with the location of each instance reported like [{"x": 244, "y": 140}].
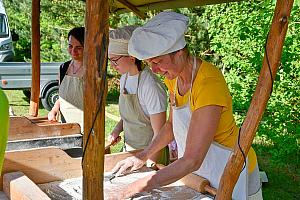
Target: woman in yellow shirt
[{"x": 201, "y": 118}]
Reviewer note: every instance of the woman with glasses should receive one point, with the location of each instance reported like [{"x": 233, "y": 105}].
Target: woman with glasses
[
  {"x": 70, "y": 102},
  {"x": 201, "y": 118},
  {"x": 142, "y": 101}
]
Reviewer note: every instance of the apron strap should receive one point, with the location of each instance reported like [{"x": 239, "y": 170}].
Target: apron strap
[
  {"x": 124, "y": 91},
  {"x": 192, "y": 80}
]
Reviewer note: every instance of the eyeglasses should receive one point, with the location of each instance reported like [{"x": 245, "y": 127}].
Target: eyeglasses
[{"x": 115, "y": 61}]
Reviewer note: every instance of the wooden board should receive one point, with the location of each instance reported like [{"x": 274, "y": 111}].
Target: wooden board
[
  {"x": 49, "y": 164},
  {"x": 28, "y": 128},
  {"x": 18, "y": 186},
  {"x": 42, "y": 165}
]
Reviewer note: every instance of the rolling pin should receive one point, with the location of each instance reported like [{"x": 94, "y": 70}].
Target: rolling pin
[{"x": 195, "y": 182}]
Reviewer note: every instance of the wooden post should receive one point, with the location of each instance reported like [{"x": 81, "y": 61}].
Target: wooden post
[
  {"x": 95, "y": 90},
  {"x": 35, "y": 55},
  {"x": 260, "y": 98}
]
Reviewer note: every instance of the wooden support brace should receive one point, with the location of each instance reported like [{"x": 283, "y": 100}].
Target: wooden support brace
[
  {"x": 95, "y": 91},
  {"x": 36, "y": 60},
  {"x": 17, "y": 185},
  {"x": 260, "y": 98},
  {"x": 133, "y": 9}
]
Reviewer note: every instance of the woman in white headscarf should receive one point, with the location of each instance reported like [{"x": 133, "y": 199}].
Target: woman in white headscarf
[
  {"x": 201, "y": 118},
  {"x": 142, "y": 101}
]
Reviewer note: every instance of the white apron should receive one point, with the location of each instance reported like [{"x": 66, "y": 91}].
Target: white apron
[
  {"x": 71, "y": 100},
  {"x": 217, "y": 156}
]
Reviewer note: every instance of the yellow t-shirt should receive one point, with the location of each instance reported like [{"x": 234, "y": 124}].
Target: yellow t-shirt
[{"x": 209, "y": 88}]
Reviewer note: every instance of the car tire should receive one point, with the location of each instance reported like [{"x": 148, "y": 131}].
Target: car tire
[
  {"x": 50, "y": 98},
  {"x": 27, "y": 93}
]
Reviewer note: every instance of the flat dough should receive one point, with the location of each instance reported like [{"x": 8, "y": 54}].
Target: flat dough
[{"x": 71, "y": 189}]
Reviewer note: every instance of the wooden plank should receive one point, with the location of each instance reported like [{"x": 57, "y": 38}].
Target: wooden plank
[
  {"x": 133, "y": 9},
  {"x": 22, "y": 128},
  {"x": 260, "y": 98},
  {"x": 17, "y": 185},
  {"x": 95, "y": 90},
  {"x": 42, "y": 165},
  {"x": 40, "y": 120},
  {"x": 35, "y": 55},
  {"x": 146, "y": 5}
]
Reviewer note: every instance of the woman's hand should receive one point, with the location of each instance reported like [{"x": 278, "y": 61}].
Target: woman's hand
[
  {"x": 114, "y": 138},
  {"x": 52, "y": 116},
  {"x": 53, "y": 113},
  {"x": 128, "y": 165}
]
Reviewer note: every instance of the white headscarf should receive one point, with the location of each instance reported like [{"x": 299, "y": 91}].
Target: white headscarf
[
  {"x": 118, "y": 40},
  {"x": 163, "y": 34}
]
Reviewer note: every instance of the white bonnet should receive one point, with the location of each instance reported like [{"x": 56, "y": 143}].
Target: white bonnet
[
  {"x": 163, "y": 34},
  {"x": 118, "y": 40}
]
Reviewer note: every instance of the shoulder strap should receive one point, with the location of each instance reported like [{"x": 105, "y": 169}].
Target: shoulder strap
[{"x": 63, "y": 68}]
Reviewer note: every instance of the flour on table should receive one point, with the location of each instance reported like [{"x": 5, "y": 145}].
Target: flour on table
[{"x": 71, "y": 189}]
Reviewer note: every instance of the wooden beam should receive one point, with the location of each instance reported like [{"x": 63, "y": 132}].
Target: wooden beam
[
  {"x": 35, "y": 55},
  {"x": 95, "y": 90},
  {"x": 260, "y": 98},
  {"x": 146, "y": 5},
  {"x": 133, "y": 9},
  {"x": 17, "y": 185}
]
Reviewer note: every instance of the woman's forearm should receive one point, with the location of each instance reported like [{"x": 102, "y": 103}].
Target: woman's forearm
[
  {"x": 162, "y": 139},
  {"x": 56, "y": 107},
  {"x": 119, "y": 127}
]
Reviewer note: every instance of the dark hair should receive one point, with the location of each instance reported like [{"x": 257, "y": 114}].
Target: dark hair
[
  {"x": 138, "y": 64},
  {"x": 78, "y": 34}
]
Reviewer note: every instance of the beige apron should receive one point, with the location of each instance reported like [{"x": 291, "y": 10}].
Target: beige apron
[
  {"x": 71, "y": 100},
  {"x": 137, "y": 127},
  {"x": 217, "y": 156},
  {"x": 138, "y": 132}
]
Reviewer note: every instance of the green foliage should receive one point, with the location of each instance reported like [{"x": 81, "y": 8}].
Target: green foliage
[
  {"x": 238, "y": 33},
  {"x": 57, "y": 18}
]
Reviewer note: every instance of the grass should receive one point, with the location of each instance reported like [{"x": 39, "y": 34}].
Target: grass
[{"x": 284, "y": 178}]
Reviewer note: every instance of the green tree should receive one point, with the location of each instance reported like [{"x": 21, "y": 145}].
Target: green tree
[{"x": 57, "y": 18}]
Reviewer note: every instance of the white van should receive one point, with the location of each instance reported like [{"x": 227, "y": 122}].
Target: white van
[{"x": 6, "y": 40}]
